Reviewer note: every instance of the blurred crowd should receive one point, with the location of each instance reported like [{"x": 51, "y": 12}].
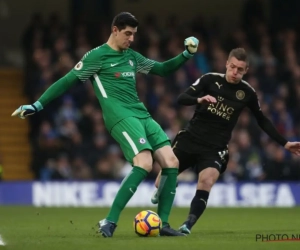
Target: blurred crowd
[{"x": 69, "y": 139}]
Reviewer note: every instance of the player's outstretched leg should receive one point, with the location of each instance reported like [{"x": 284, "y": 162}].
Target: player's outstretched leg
[
  {"x": 206, "y": 180},
  {"x": 198, "y": 205},
  {"x": 167, "y": 188},
  {"x": 126, "y": 191}
]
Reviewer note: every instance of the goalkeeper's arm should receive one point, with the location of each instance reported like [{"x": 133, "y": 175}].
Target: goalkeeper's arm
[
  {"x": 58, "y": 88},
  {"x": 55, "y": 90},
  {"x": 168, "y": 67}
]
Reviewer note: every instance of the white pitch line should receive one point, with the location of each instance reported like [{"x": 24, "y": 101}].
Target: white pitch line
[{"x": 1, "y": 241}]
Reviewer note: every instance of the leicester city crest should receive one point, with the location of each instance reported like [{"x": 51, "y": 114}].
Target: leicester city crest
[{"x": 240, "y": 94}]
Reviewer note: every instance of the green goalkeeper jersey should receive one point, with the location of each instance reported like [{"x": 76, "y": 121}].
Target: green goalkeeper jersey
[{"x": 113, "y": 75}]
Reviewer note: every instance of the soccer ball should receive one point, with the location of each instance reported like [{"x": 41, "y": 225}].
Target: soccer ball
[{"x": 147, "y": 223}]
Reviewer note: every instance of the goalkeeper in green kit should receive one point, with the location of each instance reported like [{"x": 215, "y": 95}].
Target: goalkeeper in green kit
[{"x": 111, "y": 68}]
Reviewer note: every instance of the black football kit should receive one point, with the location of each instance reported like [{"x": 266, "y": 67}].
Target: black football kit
[{"x": 204, "y": 142}]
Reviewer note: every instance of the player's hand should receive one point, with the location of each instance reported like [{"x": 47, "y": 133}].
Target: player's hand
[
  {"x": 191, "y": 46},
  {"x": 207, "y": 99},
  {"x": 26, "y": 110},
  {"x": 293, "y": 147}
]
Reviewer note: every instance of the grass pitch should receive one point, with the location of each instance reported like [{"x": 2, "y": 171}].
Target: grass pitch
[{"x": 24, "y": 228}]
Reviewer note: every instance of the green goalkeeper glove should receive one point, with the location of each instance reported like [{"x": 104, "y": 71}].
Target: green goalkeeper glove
[
  {"x": 26, "y": 110},
  {"x": 191, "y": 46}
]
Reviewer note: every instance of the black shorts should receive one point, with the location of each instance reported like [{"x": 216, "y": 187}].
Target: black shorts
[{"x": 192, "y": 154}]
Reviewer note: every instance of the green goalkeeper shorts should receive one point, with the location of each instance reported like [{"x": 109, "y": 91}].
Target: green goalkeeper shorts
[{"x": 135, "y": 135}]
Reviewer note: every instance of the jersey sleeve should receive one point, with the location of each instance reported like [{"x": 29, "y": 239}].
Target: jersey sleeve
[
  {"x": 144, "y": 65},
  {"x": 88, "y": 65},
  {"x": 254, "y": 106},
  {"x": 198, "y": 86},
  {"x": 190, "y": 96},
  {"x": 264, "y": 123},
  {"x": 58, "y": 88}
]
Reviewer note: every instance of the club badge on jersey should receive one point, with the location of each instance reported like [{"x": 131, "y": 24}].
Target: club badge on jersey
[
  {"x": 142, "y": 141},
  {"x": 240, "y": 94}
]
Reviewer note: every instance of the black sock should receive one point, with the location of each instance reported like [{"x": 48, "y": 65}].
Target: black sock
[{"x": 198, "y": 206}]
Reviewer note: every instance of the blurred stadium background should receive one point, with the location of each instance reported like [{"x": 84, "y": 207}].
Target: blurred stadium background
[{"x": 64, "y": 155}]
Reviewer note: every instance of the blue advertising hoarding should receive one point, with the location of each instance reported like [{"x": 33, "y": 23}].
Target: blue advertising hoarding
[{"x": 102, "y": 193}]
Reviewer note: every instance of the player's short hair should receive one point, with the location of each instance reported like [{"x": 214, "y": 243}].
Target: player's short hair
[
  {"x": 124, "y": 19},
  {"x": 240, "y": 54}
]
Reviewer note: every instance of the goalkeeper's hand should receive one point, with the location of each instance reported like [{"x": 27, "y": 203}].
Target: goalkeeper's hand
[
  {"x": 26, "y": 110},
  {"x": 191, "y": 46}
]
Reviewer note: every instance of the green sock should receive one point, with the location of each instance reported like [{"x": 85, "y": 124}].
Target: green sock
[
  {"x": 126, "y": 191},
  {"x": 166, "y": 193}
]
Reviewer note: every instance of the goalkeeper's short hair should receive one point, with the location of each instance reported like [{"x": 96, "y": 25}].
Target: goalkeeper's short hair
[{"x": 124, "y": 19}]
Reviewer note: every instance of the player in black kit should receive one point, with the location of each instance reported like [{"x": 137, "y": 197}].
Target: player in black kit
[{"x": 203, "y": 144}]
